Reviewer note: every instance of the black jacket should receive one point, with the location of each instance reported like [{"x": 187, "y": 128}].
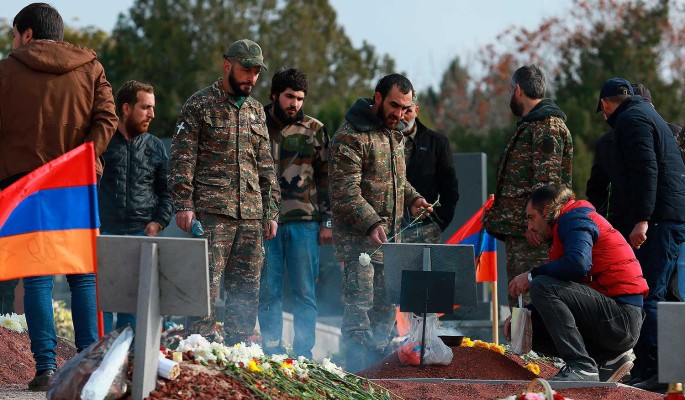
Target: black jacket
[
  {"x": 650, "y": 171},
  {"x": 430, "y": 170},
  {"x": 603, "y": 174},
  {"x": 133, "y": 190}
]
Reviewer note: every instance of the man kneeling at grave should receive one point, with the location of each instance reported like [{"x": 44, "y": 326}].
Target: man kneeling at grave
[{"x": 587, "y": 300}]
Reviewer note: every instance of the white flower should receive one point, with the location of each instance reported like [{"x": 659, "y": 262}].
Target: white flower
[
  {"x": 14, "y": 322},
  {"x": 332, "y": 368},
  {"x": 364, "y": 260}
]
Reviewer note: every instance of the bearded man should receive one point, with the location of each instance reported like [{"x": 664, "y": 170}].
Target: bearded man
[
  {"x": 133, "y": 197},
  {"x": 222, "y": 174},
  {"x": 369, "y": 192},
  {"x": 539, "y": 153},
  {"x": 299, "y": 145}
]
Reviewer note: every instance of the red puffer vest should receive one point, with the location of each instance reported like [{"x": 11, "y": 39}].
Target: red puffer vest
[{"x": 615, "y": 271}]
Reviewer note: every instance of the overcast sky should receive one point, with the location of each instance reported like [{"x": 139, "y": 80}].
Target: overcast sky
[{"x": 422, "y": 36}]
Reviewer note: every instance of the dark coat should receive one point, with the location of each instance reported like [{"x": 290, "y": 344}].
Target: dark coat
[
  {"x": 430, "y": 170},
  {"x": 650, "y": 171},
  {"x": 133, "y": 190},
  {"x": 603, "y": 174}
]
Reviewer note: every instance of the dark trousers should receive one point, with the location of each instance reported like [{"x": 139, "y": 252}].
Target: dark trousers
[
  {"x": 658, "y": 256},
  {"x": 580, "y": 325}
]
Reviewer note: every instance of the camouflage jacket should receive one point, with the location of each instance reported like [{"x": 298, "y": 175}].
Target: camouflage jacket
[
  {"x": 221, "y": 159},
  {"x": 539, "y": 153},
  {"x": 300, "y": 153},
  {"x": 367, "y": 182}
]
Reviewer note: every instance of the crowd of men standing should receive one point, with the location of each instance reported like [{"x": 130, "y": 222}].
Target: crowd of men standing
[{"x": 270, "y": 177}]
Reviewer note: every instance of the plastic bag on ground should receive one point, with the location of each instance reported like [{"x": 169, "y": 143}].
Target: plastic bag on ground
[
  {"x": 521, "y": 329},
  {"x": 436, "y": 352},
  {"x": 96, "y": 373}
]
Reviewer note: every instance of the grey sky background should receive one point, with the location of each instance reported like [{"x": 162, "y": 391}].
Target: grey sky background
[{"x": 422, "y": 36}]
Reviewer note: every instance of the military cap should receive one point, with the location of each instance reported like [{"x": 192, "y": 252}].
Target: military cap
[{"x": 247, "y": 52}]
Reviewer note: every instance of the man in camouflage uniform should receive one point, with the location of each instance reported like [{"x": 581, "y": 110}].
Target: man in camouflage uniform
[
  {"x": 222, "y": 174},
  {"x": 299, "y": 145},
  {"x": 369, "y": 192},
  {"x": 539, "y": 153}
]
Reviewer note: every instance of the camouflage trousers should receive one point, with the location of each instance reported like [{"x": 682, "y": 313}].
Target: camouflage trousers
[
  {"x": 428, "y": 232},
  {"x": 522, "y": 257},
  {"x": 235, "y": 250},
  {"x": 369, "y": 317}
]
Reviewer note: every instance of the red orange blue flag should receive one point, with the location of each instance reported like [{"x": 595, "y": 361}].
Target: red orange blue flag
[
  {"x": 49, "y": 218},
  {"x": 484, "y": 245}
]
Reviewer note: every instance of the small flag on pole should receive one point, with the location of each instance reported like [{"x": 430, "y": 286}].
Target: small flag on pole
[
  {"x": 484, "y": 245},
  {"x": 49, "y": 218}
]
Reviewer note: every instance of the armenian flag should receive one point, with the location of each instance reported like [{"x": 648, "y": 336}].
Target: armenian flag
[
  {"x": 484, "y": 245},
  {"x": 49, "y": 219}
]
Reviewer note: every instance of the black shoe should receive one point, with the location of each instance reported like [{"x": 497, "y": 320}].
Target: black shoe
[
  {"x": 39, "y": 383},
  {"x": 652, "y": 385},
  {"x": 615, "y": 369},
  {"x": 568, "y": 373}
]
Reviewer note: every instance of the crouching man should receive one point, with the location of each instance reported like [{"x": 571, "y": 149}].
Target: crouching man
[{"x": 587, "y": 299}]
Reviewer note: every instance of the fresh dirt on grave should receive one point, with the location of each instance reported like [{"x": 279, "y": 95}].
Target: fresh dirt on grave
[{"x": 468, "y": 363}]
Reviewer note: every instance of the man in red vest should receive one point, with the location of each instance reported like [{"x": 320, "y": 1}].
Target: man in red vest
[{"x": 587, "y": 299}]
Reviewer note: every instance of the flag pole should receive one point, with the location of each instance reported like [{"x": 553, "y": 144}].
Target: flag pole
[{"x": 495, "y": 313}]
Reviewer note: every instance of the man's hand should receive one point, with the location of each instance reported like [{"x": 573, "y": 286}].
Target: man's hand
[
  {"x": 519, "y": 285},
  {"x": 532, "y": 238},
  {"x": 506, "y": 328},
  {"x": 377, "y": 236},
  {"x": 270, "y": 229},
  {"x": 184, "y": 219},
  {"x": 325, "y": 235},
  {"x": 639, "y": 234},
  {"x": 153, "y": 228},
  {"x": 419, "y": 205}
]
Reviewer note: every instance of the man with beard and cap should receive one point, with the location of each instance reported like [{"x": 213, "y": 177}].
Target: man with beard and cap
[
  {"x": 430, "y": 170},
  {"x": 369, "y": 192},
  {"x": 650, "y": 181},
  {"x": 222, "y": 175},
  {"x": 299, "y": 145},
  {"x": 539, "y": 153},
  {"x": 133, "y": 197},
  {"x": 55, "y": 97}
]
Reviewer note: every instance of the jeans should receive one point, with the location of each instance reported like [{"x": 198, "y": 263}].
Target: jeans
[
  {"x": 295, "y": 249},
  {"x": 123, "y": 319},
  {"x": 657, "y": 256},
  {"x": 41, "y": 321},
  {"x": 580, "y": 325},
  {"x": 680, "y": 284}
]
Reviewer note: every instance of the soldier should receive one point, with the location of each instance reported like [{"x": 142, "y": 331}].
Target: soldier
[
  {"x": 222, "y": 174},
  {"x": 430, "y": 169},
  {"x": 369, "y": 191},
  {"x": 539, "y": 153},
  {"x": 299, "y": 144}
]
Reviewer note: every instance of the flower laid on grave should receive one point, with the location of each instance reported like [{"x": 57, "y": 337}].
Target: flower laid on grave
[
  {"x": 534, "y": 368},
  {"x": 278, "y": 374},
  {"x": 14, "y": 322}
]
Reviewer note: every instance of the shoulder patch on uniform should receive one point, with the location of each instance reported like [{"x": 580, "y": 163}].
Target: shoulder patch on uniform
[{"x": 547, "y": 146}]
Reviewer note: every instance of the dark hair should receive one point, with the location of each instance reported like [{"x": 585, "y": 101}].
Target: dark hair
[
  {"x": 555, "y": 196},
  {"x": 288, "y": 78},
  {"x": 387, "y": 82},
  {"x": 128, "y": 94},
  {"x": 43, "y": 19},
  {"x": 531, "y": 80}
]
